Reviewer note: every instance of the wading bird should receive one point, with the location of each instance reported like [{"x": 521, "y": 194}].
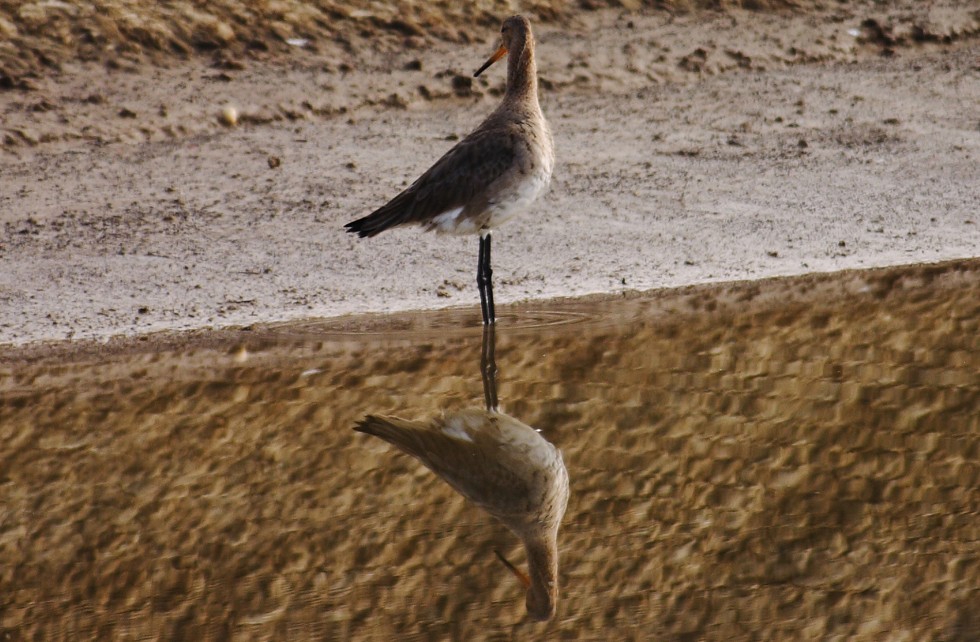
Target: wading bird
[{"x": 490, "y": 175}]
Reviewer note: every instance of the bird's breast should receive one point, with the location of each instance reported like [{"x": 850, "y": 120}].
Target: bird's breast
[{"x": 526, "y": 181}]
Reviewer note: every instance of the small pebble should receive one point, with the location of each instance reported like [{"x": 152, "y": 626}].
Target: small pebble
[{"x": 229, "y": 116}]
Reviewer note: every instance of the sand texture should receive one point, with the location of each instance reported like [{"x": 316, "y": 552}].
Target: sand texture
[{"x": 692, "y": 146}]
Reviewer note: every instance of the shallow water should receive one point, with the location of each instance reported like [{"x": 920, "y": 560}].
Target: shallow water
[{"x": 781, "y": 460}]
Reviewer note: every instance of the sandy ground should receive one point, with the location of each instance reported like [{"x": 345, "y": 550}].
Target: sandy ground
[{"x": 691, "y": 147}]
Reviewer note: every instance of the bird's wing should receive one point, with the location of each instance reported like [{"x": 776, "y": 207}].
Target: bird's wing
[
  {"x": 456, "y": 180},
  {"x": 470, "y": 462}
]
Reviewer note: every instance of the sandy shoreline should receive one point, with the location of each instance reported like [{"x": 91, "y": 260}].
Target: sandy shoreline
[
  {"x": 690, "y": 150},
  {"x": 529, "y": 318}
]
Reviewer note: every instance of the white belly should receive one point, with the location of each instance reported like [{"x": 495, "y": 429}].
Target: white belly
[{"x": 518, "y": 199}]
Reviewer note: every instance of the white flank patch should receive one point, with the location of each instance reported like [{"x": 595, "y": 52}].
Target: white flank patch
[
  {"x": 456, "y": 430},
  {"x": 447, "y": 221}
]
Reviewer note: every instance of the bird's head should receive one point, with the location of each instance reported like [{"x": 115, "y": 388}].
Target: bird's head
[{"x": 514, "y": 35}]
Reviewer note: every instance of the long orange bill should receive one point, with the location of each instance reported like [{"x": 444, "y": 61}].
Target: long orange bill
[
  {"x": 497, "y": 55},
  {"x": 521, "y": 575}
]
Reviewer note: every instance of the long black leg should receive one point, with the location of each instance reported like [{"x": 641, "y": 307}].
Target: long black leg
[
  {"x": 484, "y": 280},
  {"x": 482, "y": 283},
  {"x": 488, "y": 271},
  {"x": 488, "y": 366}
]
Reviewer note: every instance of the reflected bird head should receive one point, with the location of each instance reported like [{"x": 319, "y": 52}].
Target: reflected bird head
[
  {"x": 541, "y": 603},
  {"x": 542, "y": 596}
]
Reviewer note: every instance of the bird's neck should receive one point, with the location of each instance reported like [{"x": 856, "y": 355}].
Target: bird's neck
[{"x": 522, "y": 74}]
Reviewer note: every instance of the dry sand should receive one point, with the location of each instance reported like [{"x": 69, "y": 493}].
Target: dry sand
[{"x": 692, "y": 147}]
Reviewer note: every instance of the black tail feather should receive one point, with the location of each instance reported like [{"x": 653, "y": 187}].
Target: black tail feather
[
  {"x": 362, "y": 227},
  {"x": 393, "y": 214}
]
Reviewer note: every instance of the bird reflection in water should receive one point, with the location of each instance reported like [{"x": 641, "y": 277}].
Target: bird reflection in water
[{"x": 503, "y": 466}]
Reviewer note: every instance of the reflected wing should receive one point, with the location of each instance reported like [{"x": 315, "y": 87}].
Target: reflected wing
[{"x": 474, "y": 464}]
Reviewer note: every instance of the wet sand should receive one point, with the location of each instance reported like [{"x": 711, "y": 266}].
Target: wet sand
[
  {"x": 692, "y": 147},
  {"x": 791, "y": 459}
]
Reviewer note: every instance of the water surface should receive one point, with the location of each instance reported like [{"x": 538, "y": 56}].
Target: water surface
[{"x": 781, "y": 460}]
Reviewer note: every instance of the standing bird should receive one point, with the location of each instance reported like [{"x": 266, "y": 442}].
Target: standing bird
[
  {"x": 489, "y": 175},
  {"x": 506, "y": 468}
]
